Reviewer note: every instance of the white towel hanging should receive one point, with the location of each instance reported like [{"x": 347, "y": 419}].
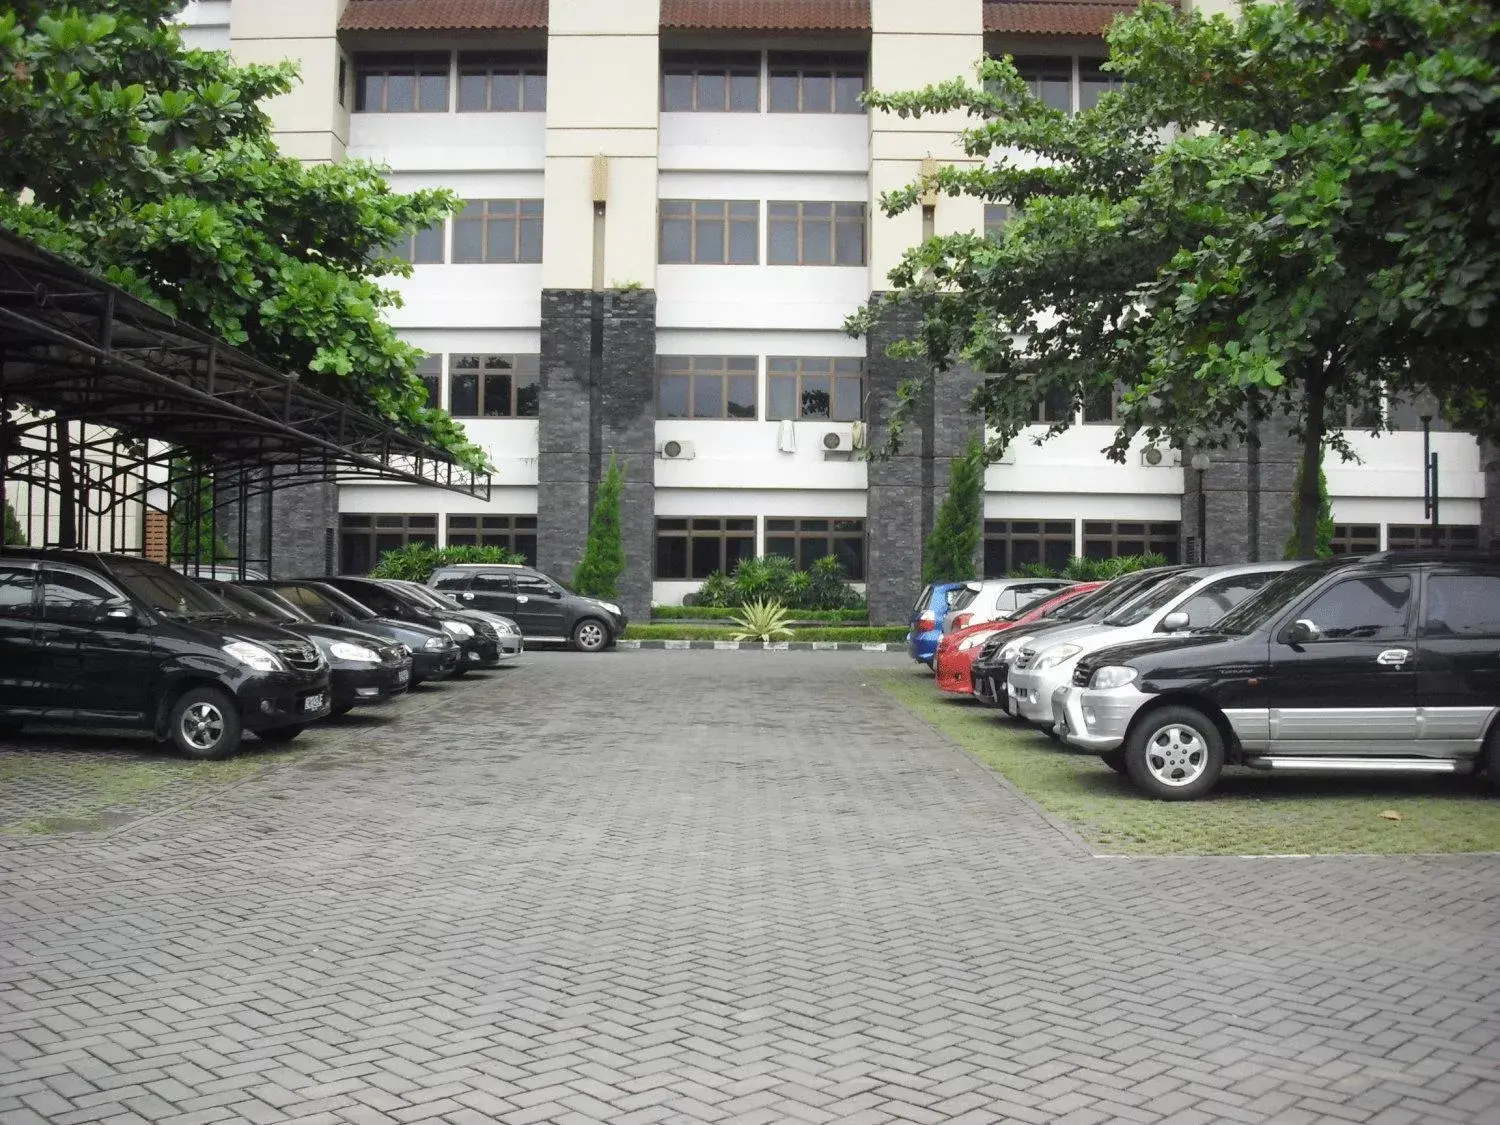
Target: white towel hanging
[
  {"x": 858, "y": 436},
  {"x": 786, "y": 436}
]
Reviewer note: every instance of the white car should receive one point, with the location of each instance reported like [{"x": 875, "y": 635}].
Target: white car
[
  {"x": 1041, "y": 678},
  {"x": 993, "y": 598}
]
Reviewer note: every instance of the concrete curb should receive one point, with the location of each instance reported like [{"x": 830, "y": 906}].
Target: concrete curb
[{"x": 769, "y": 646}]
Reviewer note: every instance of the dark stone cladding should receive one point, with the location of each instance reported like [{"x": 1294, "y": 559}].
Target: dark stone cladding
[
  {"x": 290, "y": 533},
  {"x": 1248, "y": 490},
  {"x": 598, "y": 376},
  {"x": 1489, "y": 507}
]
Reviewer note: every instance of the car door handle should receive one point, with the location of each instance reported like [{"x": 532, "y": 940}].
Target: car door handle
[
  {"x": 1393, "y": 657},
  {"x": 522, "y": 599},
  {"x": 467, "y": 597}
]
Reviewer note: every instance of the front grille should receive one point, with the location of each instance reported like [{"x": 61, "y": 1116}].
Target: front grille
[
  {"x": 392, "y": 654},
  {"x": 301, "y": 655},
  {"x": 486, "y": 630},
  {"x": 1082, "y": 675},
  {"x": 1026, "y": 659}
]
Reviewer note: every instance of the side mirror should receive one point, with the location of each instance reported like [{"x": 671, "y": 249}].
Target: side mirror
[
  {"x": 338, "y": 617},
  {"x": 1175, "y": 622},
  {"x": 119, "y": 614},
  {"x": 555, "y": 595},
  {"x": 1301, "y": 631}
]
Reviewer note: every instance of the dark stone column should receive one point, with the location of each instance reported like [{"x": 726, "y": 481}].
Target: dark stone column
[
  {"x": 1489, "y": 507},
  {"x": 953, "y": 424},
  {"x": 301, "y": 521},
  {"x": 564, "y": 476},
  {"x": 625, "y": 415},
  {"x": 1247, "y": 493}
]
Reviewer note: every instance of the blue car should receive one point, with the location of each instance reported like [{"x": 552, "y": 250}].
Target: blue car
[{"x": 927, "y": 620}]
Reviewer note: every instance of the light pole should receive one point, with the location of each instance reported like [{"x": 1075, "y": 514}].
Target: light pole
[
  {"x": 1200, "y": 462},
  {"x": 1429, "y": 481}
]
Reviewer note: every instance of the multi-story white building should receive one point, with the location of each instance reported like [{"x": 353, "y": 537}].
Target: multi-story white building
[{"x": 672, "y": 208}]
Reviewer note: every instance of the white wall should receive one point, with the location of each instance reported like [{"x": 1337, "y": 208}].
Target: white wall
[
  {"x": 768, "y": 142},
  {"x": 451, "y": 142},
  {"x": 1073, "y": 463},
  {"x": 504, "y": 500},
  {"x": 205, "y": 24}
]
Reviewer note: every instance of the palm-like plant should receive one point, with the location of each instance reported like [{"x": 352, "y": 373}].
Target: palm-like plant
[{"x": 761, "y": 620}]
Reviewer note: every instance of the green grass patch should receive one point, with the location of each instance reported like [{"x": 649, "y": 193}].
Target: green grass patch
[
  {"x": 850, "y": 633},
  {"x": 721, "y": 613},
  {"x": 1248, "y": 813}
]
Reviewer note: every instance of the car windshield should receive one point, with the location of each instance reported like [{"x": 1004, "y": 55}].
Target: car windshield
[
  {"x": 962, "y": 597},
  {"x": 1154, "y": 598},
  {"x": 435, "y": 599},
  {"x": 1268, "y": 601},
  {"x": 167, "y": 592},
  {"x": 1113, "y": 595},
  {"x": 1029, "y": 601},
  {"x": 259, "y": 604},
  {"x": 335, "y": 599}
]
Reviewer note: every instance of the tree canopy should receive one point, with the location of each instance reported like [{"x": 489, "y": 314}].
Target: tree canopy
[
  {"x": 154, "y": 166},
  {"x": 1287, "y": 218}
]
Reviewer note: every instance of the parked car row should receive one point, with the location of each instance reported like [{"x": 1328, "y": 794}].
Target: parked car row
[{"x": 1376, "y": 663}]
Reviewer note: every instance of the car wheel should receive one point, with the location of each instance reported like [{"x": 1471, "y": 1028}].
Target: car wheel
[
  {"x": 280, "y": 734},
  {"x": 1114, "y": 759},
  {"x": 10, "y": 729},
  {"x": 204, "y": 724},
  {"x": 590, "y": 635},
  {"x": 1176, "y": 754}
]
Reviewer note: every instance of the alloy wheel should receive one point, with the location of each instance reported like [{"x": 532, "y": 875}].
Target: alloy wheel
[
  {"x": 202, "y": 726},
  {"x": 1176, "y": 755}
]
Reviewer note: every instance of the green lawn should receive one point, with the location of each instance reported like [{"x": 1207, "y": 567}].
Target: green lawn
[
  {"x": 673, "y": 632},
  {"x": 1248, "y": 813}
]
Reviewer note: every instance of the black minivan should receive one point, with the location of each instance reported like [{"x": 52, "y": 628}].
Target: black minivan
[{"x": 110, "y": 640}]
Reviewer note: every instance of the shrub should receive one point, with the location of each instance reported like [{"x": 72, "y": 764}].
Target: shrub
[
  {"x": 949, "y": 554},
  {"x": 761, "y": 620},
  {"x": 598, "y": 572},
  {"x": 1091, "y": 570},
  {"x": 776, "y": 577},
  {"x": 415, "y": 562},
  {"x": 1324, "y": 546},
  {"x": 14, "y": 535},
  {"x": 828, "y": 589}
]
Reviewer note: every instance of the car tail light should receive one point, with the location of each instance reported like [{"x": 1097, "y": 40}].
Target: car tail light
[
  {"x": 962, "y": 621},
  {"x": 927, "y": 622}
]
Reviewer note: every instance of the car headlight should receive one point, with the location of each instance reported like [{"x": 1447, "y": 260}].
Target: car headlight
[
  {"x": 458, "y": 628},
  {"x": 437, "y": 644},
  {"x": 253, "y": 656},
  {"x": 405, "y": 649},
  {"x": 1009, "y": 653},
  {"x": 613, "y": 608},
  {"x": 343, "y": 650},
  {"x": 1113, "y": 676},
  {"x": 1054, "y": 656}
]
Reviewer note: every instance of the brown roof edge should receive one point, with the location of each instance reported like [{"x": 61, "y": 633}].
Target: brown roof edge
[
  {"x": 1055, "y": 17},
  {"x": 765, "y": 15},
  {"x": 444, "y": 15}
]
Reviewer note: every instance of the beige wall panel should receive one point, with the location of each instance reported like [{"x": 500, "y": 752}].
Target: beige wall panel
[
  {"x": 640, "y": 142},
  {"x": 284, "y": 19},
  {"x": 930, "y": 17},
  {"x": 604, "y": 17},
  {"x": 311, "y": 148},
  {"x": 630, "y": 223},
  {"x": 312, "y": 104},
  {"x": 603, "y": 82}
]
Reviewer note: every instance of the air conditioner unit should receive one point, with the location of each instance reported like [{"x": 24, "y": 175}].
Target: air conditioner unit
[
  {"x": 675, "y": 450},
  {"x": 1155, "y": 457},
  {"x": 834, "y": 441}
]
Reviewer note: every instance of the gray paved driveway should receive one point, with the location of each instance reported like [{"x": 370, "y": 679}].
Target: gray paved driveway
[{"x": 737, "y": 887}]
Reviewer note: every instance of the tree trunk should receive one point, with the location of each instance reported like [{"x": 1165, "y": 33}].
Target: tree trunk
[{"x": 1314, "y": 397}]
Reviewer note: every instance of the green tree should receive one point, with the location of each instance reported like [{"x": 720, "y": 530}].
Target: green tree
[
  {"x": 154, "y": 166},
  {"x": 949, "y": 555},
  {"x": 598, "y": 572},
  {"x": 15, "y": 535},
  {"x": 1279, "y": 219},
  {"x": 1323, "y": 549}
]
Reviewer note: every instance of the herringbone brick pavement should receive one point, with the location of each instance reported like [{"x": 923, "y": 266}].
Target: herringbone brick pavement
[{"x": 721, "y": 887}]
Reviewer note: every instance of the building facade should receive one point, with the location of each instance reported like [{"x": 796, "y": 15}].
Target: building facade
[{"x": 671, "y": 208}]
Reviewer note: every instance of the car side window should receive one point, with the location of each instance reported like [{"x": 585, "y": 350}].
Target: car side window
[
  {"x": 1213, "y": 602},
  {"x": 1463, "y": 605},
  {"x": 75, "y": 599},
  {"x": 1361, "y": 609},
  {"x": 307, "y": 600},
  {"x": 492, "y": 583},
  {"x": 16, "y": 587},
  {"x": 381, "y": 601},
  {"x": 533, "y": 585},
  {"x": 453, "y": 580}
]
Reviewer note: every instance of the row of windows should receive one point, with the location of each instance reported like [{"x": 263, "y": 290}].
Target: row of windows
[
  {"x": 486, "y": 230},
  {"x": 1364, "y": 538},
  {"x": 1012, "y": 544},
  {"x": 363, "y": 537},
  {"x": 694, "y": 548}
]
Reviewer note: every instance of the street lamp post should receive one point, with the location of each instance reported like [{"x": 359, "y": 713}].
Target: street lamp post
[
  {"x": 1200, "y": 462},
  {"x": 1429, "y": 480}
]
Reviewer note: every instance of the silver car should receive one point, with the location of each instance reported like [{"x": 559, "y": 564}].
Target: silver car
[
  {"x": 511, "y": 645},
  {"x": 993, "y": 598}
]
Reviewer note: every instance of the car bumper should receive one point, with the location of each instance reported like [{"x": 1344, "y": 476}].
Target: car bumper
[
  {"x": 433, "y": 665},
  {"x": 922, "y": 647},
  {"x": 1031, "y": 691},
  {"x": 989, "y": 684},
  {"x": 511, "y": 646},
  {"x": 284, "y": 699},
  {"x": 481, "y": 653},
  {"x": 953, "y": 673},
  {"x": 1095, "y": 719},
  {"x": 365, "y": 686}
]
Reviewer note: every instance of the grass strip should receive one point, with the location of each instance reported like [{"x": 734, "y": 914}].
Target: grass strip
[{"x": 848, "y": 633}]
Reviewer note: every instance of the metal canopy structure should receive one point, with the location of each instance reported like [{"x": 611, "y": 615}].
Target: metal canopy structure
[{"x": 104, "y": 400}]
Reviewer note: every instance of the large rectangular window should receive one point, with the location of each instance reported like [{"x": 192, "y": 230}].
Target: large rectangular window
[
  {"x": 805, "y": 541},
  {"x": 498, "y": 230},
  {"x": 401, "y": 83},
  {"x": 1412, "y": 537},
  {"x": 701, "y": 546},
  {"x": 815, "y": 234},
  {"x": 1093, "y": 82},
  {"x": 421, "y": 247},
  {"x": 1102, "y": 406},
  {"x": 430, "y": 371},
  {"x": 1105, "y": 539},
  {"x": 996, "y": 216},
  {"x": 1049, "y": 77},
  {"x": 710, "y": 83},
  {"x": 831, "y": 387},
  {"x": 514, "y": 533},
  {"x": 1012, "y": 544},
  {"x": 502, "y": 82},
  {"x": 494, "y": 386},
  {"x": 710, "y": 232},
  {"x": 1355, "y": 538},
  {"x": 363, "y": 538},
  {"x": 816, "y": 83},
  {"x": 706, "y": 386}
]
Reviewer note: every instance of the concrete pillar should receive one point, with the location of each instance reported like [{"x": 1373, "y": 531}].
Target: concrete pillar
[
  {"x": 1247, "y": 492},
  {"x": 312, "y": 121}
]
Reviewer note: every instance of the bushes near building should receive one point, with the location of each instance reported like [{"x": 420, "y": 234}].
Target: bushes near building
[
  {"x": 776, "y": 578},
  {"x": 949, "y": 554},
  {"x": 598, "y": 572},
  {"x": 415, "y": 562},
  {"x": 1091, "y": 570}
]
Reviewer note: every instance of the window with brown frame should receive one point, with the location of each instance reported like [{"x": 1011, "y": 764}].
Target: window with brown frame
[
  {"x": 502, "y": 82},
  {"x": 1414, "y": 537},
  {"x": 831, "y": 387},
  {"x": 1056, "y": 406},
  {"x": 401, "y": 83},
  {"x": 514, "y": 533},
  {"x": 996, "y": 216},
  {"x": 494, "y": 386},
  {"x": 805, "y": 541},
  {"x": 1012, "y": 544},
  {"x": 706, "y": 386},
  {"x": 1355, "y": 538},
  {"x": 815, "y": 234},
  {"x": 1106, "y": 539},
  {"x": 710, "y": 232},
  {"x": 801, "y": 82},
  {"x": 498, "y": 231},
  {"x": 1102, "y": 406},
  {"x": 702, "y": 545},
  {"x": 1094, "y": 82},
  {"x": 364, "y": 537},
  {"x": 422, "y": 247},
  {"x": 1049, "y": 77},
  {"x": 710, "y": 83},
  {"x": 430, "y": 371}
]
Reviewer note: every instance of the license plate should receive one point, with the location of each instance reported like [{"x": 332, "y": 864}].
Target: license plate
[
  {"x": 402, "y": 675},
  {"x": 313, "y": 702}
]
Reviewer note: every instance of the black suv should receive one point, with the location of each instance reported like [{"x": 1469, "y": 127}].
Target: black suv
[
  {"x": 473, "y": 634},
  {"x": 108, "y": 640},
  {"x": 1382, "y": 663},
  {"x": 543, "y": 609}
]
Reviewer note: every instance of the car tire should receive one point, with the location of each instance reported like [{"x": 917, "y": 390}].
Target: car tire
[
  {"x": 279, "y": 735},
  {"x": 1115, "y": 760},
  {"x": 590, "y": 635},
  {"x": 1175, "y": 754},
  {"x": 11, "y": 729},
  {"x": 204, "y": 724}
]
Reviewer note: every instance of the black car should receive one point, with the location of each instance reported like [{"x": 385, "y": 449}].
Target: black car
[
  {"x": 544, "y": 609},
  {"x": 434, "y": 654},
  {"x": 476, "y": 637},
  {"x": 1380, "y": 663},
  {"x": 108, "y": 640},
  {"x": 363, "y": 668}
]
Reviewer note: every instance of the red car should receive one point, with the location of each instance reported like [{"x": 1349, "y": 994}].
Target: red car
[{"x": 954, "y": 660}]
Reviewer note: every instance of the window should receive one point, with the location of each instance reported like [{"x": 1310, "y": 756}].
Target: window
[
  {"x": 1092, "y": 82},
  {"x": 1102, "y": 406},
  {"x": 363, "y": 538},
  {"x": 815, "y": 234},
  {"x": 806, "y": 541},
  {"x": 401, "y": 83},
  {"x": 829, "y": 387},
  {"x": 1409, "y": 537},
  {"x": 699, "y": 547},
  {"x": 1355, "y": 538},
  {"x": 494, "y": 386},
  {"x": 421, "y": 247},
  {"x": 996, "y": 216},
  {"x": 15, "y": 592},
  {"x": 343, "y": 79},
  {"x": 710, "y": 232},
  {"x": 706, "y": 386},
  {"x": 1012, "y": 544},
  {"x": 1056, "y": 406},
  {"x": 1213, "y": 602},
  {"x": 498, "y": 230},
  {"x": 430, "y": 371},
  {"x": 1050, "y": 79},
  {"x": 721, "y": 83},
  {"x": 1463, "y": 605},
  {"x": 1361, "y": 609},
  {"x": 812, "y": 83},
  {"x": 514, "y": 533},
  {"x": 506, "y": 82},
  {"x": 74, "y": 599},
  {"x": 1105, "y": 540}
]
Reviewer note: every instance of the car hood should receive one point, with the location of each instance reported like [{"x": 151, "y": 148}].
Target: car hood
[
  {"x": 1145, "y": 649},
  {"x": 332, "y": 634},
  {"x": 220, "y": 630}
]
